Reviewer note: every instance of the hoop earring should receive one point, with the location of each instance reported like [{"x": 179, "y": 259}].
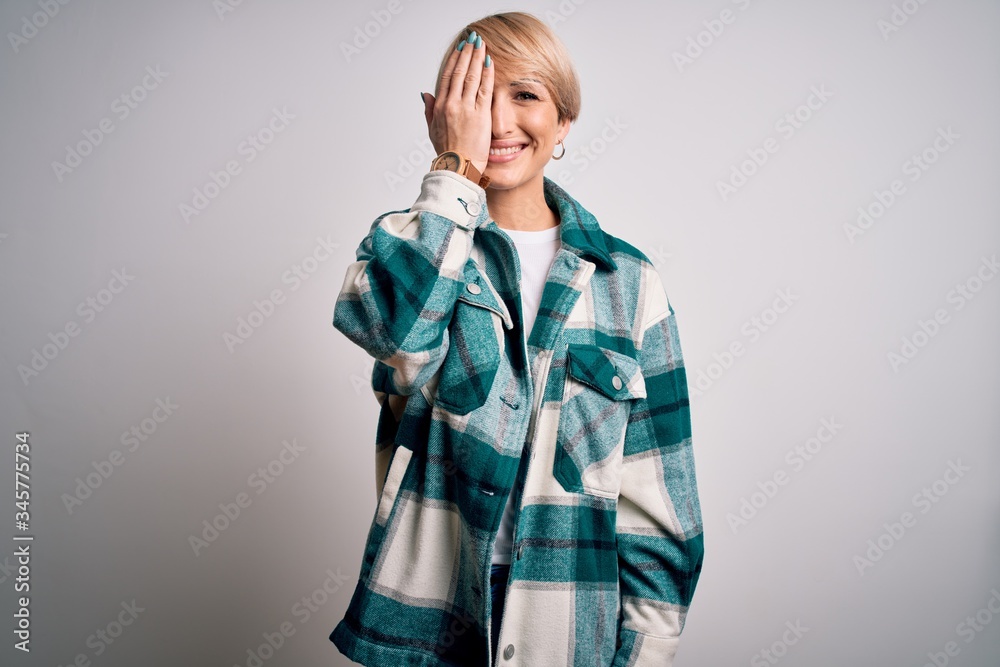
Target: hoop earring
[{"x": 561, "y": 154}]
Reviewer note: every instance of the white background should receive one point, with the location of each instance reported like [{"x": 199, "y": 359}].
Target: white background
[{"x": 724, "y": 259}]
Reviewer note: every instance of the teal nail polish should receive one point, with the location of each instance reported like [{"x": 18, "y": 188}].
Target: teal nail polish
[
  {"x": 422, "y": 98},
  {"x": 461, "y": 44},
  {"x": 472, "y": 37},
  {"x": 487, "y": 63},
  {"x": 479, "y": 42}
]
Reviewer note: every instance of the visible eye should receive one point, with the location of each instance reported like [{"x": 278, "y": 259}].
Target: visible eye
[{"x": 530, "y": 95}]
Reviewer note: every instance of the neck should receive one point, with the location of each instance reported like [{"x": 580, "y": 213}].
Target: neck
[{"x": 522, "y": 208}]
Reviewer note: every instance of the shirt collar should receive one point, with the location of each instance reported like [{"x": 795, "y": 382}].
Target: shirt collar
[{"x": 579, "y": 230}]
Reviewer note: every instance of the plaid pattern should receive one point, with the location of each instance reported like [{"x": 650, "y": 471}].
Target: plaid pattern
[{"x": 607, "y": 544}]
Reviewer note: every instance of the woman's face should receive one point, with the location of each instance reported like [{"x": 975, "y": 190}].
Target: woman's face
[{"x": 525, "y": 116}]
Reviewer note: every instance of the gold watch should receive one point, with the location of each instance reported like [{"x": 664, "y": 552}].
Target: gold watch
[{"x": 452, "y": 161}]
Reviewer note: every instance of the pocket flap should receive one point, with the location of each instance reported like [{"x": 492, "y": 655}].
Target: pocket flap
[
  {"x": 599, "y": 367},
  {"x": 482, "y": 294}
]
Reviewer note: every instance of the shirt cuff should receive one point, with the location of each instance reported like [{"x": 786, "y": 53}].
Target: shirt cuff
[{"x": 454, "y": 197}]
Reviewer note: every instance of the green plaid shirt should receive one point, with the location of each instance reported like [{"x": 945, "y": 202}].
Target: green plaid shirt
[{"x": 589, "y": 416}]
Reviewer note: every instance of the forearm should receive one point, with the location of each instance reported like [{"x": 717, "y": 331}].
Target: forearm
[{"x": 397, "y": 298}]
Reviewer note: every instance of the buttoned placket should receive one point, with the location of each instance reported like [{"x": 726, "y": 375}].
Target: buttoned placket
[
  {"x": 526, "y": 450},
  {"x": 529, "y": 384},
  {"x": 585, "y": 271}
]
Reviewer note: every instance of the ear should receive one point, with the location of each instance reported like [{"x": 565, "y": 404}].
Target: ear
[{"x": 563, "y": 129}]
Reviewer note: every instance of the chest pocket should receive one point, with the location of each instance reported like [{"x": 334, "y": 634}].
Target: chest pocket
[
  {"x": 600, "y": 387},
  {"x": 476, "y": 341}
]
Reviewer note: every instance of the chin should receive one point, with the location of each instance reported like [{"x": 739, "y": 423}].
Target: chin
[
  {"x": 502, "y": 183},
  {"x": 507, "y": 180}
]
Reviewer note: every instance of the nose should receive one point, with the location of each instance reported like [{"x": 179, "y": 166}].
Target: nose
[{"x": 502, "y": 116}]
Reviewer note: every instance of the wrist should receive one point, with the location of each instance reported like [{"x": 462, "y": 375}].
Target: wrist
[{"x": 451, "y": 160}]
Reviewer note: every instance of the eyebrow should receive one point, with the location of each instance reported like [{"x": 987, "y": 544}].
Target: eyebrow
[{"x": 523, "y": 81}]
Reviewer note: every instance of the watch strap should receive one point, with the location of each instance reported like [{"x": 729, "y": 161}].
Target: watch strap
[{"x": 473, "y": 175}]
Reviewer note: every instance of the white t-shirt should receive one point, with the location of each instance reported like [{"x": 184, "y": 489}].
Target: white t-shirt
[{"x": 535, "y": 252}]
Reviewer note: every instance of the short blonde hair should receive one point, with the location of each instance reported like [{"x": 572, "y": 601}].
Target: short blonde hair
[{"x": 519, "y": 41}]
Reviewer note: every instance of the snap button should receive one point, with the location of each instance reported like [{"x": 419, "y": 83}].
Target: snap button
[
  {"x": 616, "y": 382},
  {"x": 508, "y": 652},
  {"x": 471, "y": 207},
  {"x": 474, "y": 288}
]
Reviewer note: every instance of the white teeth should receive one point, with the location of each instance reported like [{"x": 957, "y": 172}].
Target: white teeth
[{"x": 505, "y": 151}]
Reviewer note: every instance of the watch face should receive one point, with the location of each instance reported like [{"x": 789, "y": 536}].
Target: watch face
[{"x": 448, "y": 160}]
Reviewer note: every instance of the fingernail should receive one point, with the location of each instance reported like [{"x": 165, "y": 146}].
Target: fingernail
[
  {"x": 487, "y": 63},
  {"x": 460, "y": 45},
  {"x": 422, "y": 98},
  {"x": 479, "y": 42},
  {"x": 472, "y": 37}
]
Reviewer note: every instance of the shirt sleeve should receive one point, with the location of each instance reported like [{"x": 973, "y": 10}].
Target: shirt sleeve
[
  {"x": 659, "y": 526},
  {"x": 398, "y": 297},
  {"x": 391, "y": 408}
]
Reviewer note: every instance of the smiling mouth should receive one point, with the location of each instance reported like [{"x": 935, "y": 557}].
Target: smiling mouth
[{"x": 507, "y": 151}]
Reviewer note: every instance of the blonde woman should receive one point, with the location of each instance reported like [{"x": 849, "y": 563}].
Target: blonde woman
[{"x": 537, "y": 502}]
